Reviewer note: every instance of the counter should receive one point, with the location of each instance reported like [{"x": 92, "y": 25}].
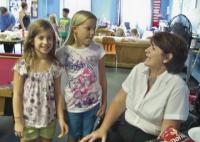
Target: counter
[
  {"x": 9, "y": 39},
  {"x": 129, "y": 51}
]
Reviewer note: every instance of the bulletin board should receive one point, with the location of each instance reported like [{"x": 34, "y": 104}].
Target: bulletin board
[
  {"x": 34, "y": 9},
  {"x": 15, "y": 7}
]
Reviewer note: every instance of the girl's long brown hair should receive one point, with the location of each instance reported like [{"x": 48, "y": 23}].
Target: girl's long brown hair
[{"x": 34, "y": 29}]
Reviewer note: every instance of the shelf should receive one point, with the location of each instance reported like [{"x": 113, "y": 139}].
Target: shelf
[
  {"x": 194, "y": 70},
  {"x": 196, "y": 74}
]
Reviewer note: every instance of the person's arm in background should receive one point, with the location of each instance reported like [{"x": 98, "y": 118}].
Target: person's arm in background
[
  {"x": 18, "y": 85},
  {"x": 59, "y": 107},
  {"x": 21, "y": 16},
  {"x": 12, "y": 23},
  {"x": 117, "y": 107},
  {"x": 103, "y": 83}
]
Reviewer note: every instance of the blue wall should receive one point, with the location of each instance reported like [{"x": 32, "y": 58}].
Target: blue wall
[
  {"x": 163, "y": 9},
  {"x": 106, "y": 9},
  {"x": 53, "y": 6},
  {"x": 103, "y": 9}
]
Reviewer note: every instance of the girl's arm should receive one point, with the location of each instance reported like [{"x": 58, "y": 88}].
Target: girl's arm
[
  {"x": 103, "y": 83},
  {"x": 117, "y": 107},
  {"x": 18, "y": 103},
  {"x": 21, "y": 16},
  {"x": 60, "y": 106}
]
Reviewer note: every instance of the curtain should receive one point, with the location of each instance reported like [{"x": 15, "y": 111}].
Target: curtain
[{"x": 137, "y": 12}]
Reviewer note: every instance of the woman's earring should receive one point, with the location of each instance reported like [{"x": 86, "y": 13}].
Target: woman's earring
[{"x": 165, "y": 61}]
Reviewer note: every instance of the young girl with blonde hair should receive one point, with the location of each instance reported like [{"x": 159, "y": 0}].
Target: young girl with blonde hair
[
  {"x": 86, "y": 87},
  {"x": 53, "y": 21}
]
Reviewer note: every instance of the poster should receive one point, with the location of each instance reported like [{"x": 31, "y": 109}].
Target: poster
[
  {"x": 15, "y": 7},
  {"x": 34, "y": 9}
]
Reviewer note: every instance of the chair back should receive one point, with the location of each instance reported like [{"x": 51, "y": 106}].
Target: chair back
[
  {"x": 109, "y": 45},
  {"x": 7, "y": 62},
  {"x": 103, "y": 32}
]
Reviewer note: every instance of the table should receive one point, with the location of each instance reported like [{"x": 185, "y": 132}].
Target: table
[
  {"x": 12, "y": 42},
  {"x": 5, "y": 92}
]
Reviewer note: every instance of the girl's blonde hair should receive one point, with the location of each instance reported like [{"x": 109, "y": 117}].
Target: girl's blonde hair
[
  {"x": 79, "y": 18},
  {"x": 53, "y": 19},
  {"x": 34, "y": 29}
]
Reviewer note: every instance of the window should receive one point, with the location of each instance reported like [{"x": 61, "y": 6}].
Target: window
[{"x": 137, "y": 13}]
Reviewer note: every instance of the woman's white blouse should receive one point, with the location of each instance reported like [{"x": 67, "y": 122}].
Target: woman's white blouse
[{"x": 167, "y": 99}]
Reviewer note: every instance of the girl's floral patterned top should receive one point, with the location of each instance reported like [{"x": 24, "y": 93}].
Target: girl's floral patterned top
[{"x": 38, "y": 94}]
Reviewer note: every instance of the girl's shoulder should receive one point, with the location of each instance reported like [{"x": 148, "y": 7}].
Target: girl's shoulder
[
  {"x": 20, "y": 66},
  {"x": 61, "y": 51},
  {"x": 95, "y": 46},
  {"x": 57, "y": 69},
  {"x": 57, "y": 64},
  {"x": 21, "y": 62}
]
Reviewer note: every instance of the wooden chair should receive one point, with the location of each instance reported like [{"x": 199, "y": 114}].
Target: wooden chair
[
  {"x": 110, "y": 47},
  {"x": 7, "y": 62},
  {"x": 103, "y": 32}
]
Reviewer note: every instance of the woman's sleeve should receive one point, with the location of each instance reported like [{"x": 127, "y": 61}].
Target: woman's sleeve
[
  {"x": 177, "y": 107},
  {"x": 129, "y": 81}
]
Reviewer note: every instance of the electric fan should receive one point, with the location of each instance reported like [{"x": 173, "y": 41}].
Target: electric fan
[{"x": 181, "y": 26}]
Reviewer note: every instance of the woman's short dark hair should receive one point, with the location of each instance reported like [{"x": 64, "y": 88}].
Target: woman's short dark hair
[{"x": 174, "y": 44}]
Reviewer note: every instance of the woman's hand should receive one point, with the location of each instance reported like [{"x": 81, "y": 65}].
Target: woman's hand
[
  {"x": 63, "y": 128},
  {"x": 19, "y": 127},
  {"x": 98, "y": 134}
]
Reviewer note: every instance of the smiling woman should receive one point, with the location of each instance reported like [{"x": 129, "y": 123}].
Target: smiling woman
[{"x": 153, "y": 84}]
